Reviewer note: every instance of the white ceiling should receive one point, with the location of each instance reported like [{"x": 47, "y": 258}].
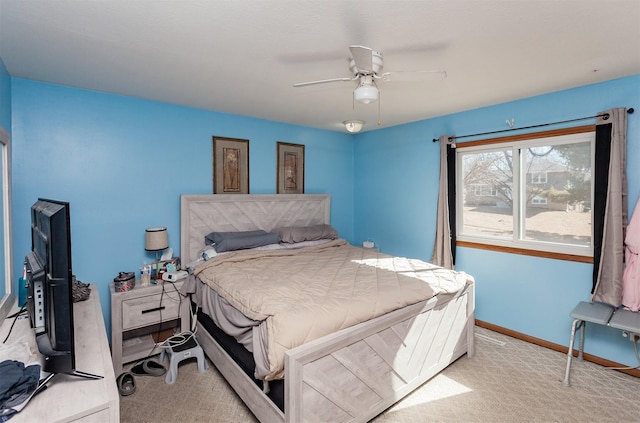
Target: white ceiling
[{"x": 242, "y": 57}]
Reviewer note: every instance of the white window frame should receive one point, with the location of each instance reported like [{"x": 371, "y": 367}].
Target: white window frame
[
  {"x": 539, "y": 178},
  {"x": 517, "y": 241},
  {"x": 490, "y": 192},
  {"x": 539, "y": 201}
]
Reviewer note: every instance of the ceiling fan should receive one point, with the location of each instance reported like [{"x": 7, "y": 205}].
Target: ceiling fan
[{"x": 366, "y": 65}]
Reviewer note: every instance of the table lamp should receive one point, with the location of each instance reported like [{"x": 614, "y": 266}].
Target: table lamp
[{"x": 156, "y": 239}]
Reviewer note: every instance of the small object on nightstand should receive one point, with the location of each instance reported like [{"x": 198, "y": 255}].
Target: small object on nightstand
[
  {"x": 174, "y": 276},
  {"x": 160, "y": 267},
  {"x": 145, "y": 274},
  {"x": 125, "y": 281}
]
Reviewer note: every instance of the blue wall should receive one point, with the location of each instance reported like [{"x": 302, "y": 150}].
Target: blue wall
[
  {"x": 123, "y": 162},
  {"x": 396, "y": 192}
]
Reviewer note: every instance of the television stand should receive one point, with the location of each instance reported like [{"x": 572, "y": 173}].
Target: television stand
[
  {"x": 78, "y": 396},
  {"x": 85, "y": 375},
  {"x": 43, "y": 383}
]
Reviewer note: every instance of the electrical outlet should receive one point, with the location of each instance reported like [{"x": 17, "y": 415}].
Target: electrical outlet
[{"x": 633, "y": 337}]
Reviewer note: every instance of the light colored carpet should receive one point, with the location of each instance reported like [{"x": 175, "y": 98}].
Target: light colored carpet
[{"x": 508, "y": 380}]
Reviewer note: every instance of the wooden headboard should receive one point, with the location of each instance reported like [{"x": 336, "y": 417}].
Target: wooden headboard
[{"x": 203, "y": 214}]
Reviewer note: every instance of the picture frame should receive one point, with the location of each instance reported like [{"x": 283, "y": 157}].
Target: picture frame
[
  {"x": 290, "y": 168},
  {"x": 230, "y": 165}
]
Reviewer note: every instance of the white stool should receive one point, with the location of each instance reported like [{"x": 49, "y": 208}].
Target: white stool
[{"x": 181, "y": 351}]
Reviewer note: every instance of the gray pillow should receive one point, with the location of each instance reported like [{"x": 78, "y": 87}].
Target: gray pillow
[
  {"x": 291, "y": 234},
  {"x": 215, "y": 237},
  {"x": 231, "y": 241}
]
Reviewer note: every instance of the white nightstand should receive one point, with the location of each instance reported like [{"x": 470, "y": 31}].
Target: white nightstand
[{"x": 142, "y": 312}]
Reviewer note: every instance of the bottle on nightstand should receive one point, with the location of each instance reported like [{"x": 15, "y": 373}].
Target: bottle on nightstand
[{"x": 145, "y": 274}]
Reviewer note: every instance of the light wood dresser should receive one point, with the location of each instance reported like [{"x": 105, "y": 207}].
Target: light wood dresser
[{"x": 70, "y": 398}]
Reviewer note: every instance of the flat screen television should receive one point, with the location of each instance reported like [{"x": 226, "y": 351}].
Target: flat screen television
[{"x": 50, "y": 286}]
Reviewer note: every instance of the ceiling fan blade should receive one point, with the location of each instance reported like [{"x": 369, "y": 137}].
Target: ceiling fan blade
[
  {"x": 323, "y": 81},
  {"x": 363, "y": 58},
  {"x": 413, "y": 76}
]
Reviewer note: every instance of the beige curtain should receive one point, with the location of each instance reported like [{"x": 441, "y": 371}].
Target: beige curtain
[
  {"x": 443, "y": 249},
  {"x": 610, "y": 222}
]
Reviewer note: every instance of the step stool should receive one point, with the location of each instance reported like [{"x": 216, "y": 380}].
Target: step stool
[{"x": 179, "y": 352}]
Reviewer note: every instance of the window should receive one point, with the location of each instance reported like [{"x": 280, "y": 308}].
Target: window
[
  {"x": 485, "y": 191},
  {"x": 539, "y": 178},
  {"x": 530, "y": 192},
  {"x": 539, "y": 200}
]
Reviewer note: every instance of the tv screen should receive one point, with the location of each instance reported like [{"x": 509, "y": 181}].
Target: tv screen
[{"x": 49, "y": 275}]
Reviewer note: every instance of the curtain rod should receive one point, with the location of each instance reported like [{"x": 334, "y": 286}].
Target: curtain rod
[{"x": 605, "y": 116}]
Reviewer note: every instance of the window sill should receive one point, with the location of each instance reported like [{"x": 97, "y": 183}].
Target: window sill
[{"x": 526, "y": 252}]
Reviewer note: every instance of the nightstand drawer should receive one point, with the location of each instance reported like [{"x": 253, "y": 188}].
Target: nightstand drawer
[{"x": 147, "y": 310}]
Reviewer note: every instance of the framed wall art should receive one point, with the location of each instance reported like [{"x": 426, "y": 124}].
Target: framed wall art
[
  {"x": 230, "y": 166},
  {"x": 290, "y": 166}
]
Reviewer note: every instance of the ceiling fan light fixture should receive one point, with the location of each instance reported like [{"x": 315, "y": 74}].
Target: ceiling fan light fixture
[
  {"x": 354, "y": 125},
  {"x": 367, "y": 92}
]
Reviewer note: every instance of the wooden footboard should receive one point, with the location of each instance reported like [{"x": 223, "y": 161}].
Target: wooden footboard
[{"x": 355, "y": 374}]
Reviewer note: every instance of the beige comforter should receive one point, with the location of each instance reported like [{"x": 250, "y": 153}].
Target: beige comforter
[{"x": 304, "y": 294}]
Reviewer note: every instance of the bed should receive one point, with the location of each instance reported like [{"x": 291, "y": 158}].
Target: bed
[{"x": 352, "y": 374}]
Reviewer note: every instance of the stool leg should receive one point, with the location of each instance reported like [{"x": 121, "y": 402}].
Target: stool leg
[
  {"x": 202, "y": 363},
  {"x": 570, "y": 352},
  {"x": 582, "y": 330},
  {"x": 172, "y": 373}
]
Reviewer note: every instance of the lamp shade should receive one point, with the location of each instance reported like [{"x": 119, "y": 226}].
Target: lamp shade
[
  {"x": 366, "y": 93},
  {"x": 353, "y": 126},
  {"x": 156, "y": 239}
]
